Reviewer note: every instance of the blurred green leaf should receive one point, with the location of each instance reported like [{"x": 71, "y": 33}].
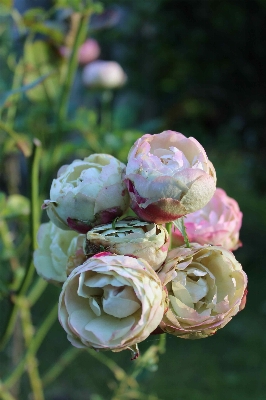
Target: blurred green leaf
[
  {"x": 6, "y": 6},
  {"x": 33, "y": 13},
  {"x": 40, "y": 61},
  {"x": 34, "y": 20},
  {"x": 11, "y": 93},
  {"x": 77, "y": 5},
  {"x": 14, "y": 206}
]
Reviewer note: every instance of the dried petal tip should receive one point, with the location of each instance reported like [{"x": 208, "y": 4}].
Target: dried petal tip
[
  {"x": 130, "y": 237},
  {"x": 135, "y": 351}
]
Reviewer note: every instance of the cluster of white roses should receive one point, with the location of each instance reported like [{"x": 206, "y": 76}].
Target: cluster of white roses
[{"x": 121, "y": 282}]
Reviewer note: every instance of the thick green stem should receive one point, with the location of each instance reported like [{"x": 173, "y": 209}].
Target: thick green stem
[
  {"x": 32, "y": 363},
  {"x": 4, "y": 394}
]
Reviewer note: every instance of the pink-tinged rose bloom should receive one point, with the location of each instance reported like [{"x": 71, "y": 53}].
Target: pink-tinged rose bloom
[
  {"x": 168, "y": 176},
  {"x": 88, "y": 51},
  {"x": 206, "y": 288},
  {"x": 111, "y": 302},
  {"x": 58, "y": 253},
  {"x": 217, "y": 223},
  {"x": 87, "y": 192},
  {"x": 104, "y": 75},
  {"x": 130, "y": 237}
]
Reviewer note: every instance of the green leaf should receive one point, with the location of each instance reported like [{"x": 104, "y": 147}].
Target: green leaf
[
  {"x": 11, "y": 93},
  {"x": 179, "y": 224},
  {"x": 15, "y": 205},
  {"x": 5, "y": 6},
  {"x": 40, "y": 60},
  {"x": 82, "y": 6}
]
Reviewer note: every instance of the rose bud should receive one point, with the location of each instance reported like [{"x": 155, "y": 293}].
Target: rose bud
[
  {"x": 88, "y": 51},
  {"x": 168, "y": 176},
  {"x": 130, "y": 237},
  {"x": 206, "y": 285},
  {"x": 87, "y": 193},
  {"x": 111, "y": 302},
  {"x": 218, "y": 223},
  {"x": 104, "y": 75},
  {"x": 59, "y": 252}
]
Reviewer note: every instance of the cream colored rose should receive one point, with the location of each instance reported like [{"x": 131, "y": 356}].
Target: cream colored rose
[
  {"x": 205, "y": 286},
  {"x": 87, "y": 193},
  {"x": 59, "y": 252},
  {"x": 130, "y": 237},
  {"x": 111, "y": 302}
]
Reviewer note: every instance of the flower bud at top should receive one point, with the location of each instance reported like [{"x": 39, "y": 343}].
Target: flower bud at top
[
  {"x": 104, "y": 75},
  {"x": 87, "y": 193},
  {"x": 168, "y": 176},
  {"x": 88, "y": 51},
  {"x": 130, "y": 237}
]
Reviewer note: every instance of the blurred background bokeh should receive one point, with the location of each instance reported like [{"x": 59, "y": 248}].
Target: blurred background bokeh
[{"x": 197, "y": 67}]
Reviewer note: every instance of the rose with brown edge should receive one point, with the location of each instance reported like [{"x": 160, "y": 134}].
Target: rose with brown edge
[{"x": 168, "y": 176}]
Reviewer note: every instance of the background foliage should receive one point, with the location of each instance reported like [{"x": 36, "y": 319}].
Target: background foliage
[{"x": 193, "y": 66}]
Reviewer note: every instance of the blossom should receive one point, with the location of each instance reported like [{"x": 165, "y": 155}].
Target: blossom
[
  {"x": 88, "y": 51},
  {"x": 104, "y": 74},
  {"x": 168, "y": 176},
  {"x": 87, "y": 193},
  {"x": 206, "y": 287},
  {"x": 217, "y": 223},
  {"x": 130, "y": 237},
  {"x": 111, "y": 302},
  {"x": 59, "y": 252}
]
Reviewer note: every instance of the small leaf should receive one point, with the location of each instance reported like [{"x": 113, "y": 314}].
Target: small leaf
[
  {"x": 179, "y": 224},
  {"x": 40, "y": 60},
  {"x": 16, "y": 205}
]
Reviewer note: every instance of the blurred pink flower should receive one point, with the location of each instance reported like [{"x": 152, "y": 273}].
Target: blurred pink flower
[
  {"x": 88, "y": 51},
  {"x": 218, "y": 223},
  {"x": 168, "y": 175}
]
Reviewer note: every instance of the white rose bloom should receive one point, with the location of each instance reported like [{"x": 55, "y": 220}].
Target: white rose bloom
[
  {"x": 87, "y": 193},
  {"x": 111, "y": 302},
  {"x": 206, "y": 287},
  {"x": 130, "y": 237},
  {"x": 104, "y": 74},
  {"x": 59, "y": 252}
]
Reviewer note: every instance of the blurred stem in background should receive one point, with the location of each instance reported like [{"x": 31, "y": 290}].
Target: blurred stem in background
[{"x": 79, "y": 32}]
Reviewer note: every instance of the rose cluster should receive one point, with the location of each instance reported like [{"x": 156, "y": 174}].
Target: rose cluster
[{"x": 121, "y": 277}]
